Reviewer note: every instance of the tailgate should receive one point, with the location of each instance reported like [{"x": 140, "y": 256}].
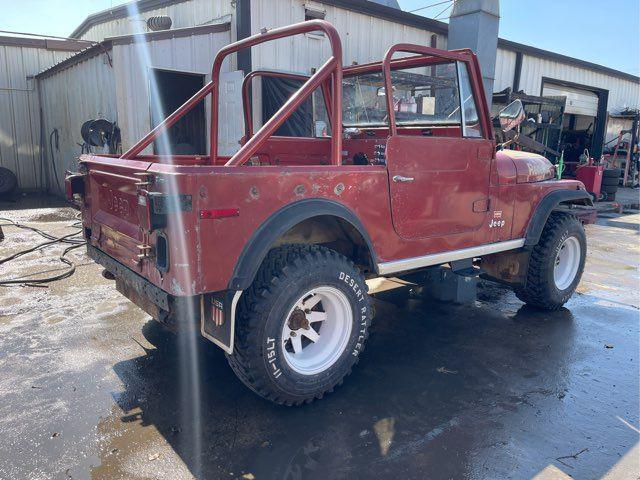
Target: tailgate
[{"x": 118, "y": 208}]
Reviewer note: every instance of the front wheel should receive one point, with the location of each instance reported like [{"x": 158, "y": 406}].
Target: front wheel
[
  {"x": 301, "y": 325},
  {"x": 556, "y": 263}
]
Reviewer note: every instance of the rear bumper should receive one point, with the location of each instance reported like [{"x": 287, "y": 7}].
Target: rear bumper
[
  {"x": 213, "y": 314},
  {"x": 143, "y": 287}
]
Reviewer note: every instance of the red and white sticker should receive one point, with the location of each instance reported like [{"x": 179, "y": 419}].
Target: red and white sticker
[{"x": 496, "y": 221}]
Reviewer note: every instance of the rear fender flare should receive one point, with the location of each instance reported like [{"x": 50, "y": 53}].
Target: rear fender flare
[
  {"x": 278, "y": 224},
  {"x": 547, "y": 205}
]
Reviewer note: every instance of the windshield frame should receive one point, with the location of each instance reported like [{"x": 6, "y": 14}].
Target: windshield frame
[
  {"x": 424, "y": 55},
  {"x": 398, "y": 65}
]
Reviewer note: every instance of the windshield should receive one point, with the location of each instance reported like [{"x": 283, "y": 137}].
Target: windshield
[{"x": 422, "y": 96}]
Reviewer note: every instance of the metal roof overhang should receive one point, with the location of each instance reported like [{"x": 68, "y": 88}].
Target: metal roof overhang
[{"x": 108, "y": 44}]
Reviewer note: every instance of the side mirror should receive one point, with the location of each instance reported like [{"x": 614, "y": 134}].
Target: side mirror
[{"x": 511, "y": 116}]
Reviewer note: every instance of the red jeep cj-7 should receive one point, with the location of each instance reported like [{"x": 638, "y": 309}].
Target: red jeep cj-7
[{"x": 268, "y": 250}]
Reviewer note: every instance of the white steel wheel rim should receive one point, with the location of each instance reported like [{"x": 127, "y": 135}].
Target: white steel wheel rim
[
  {"x": 566, "y": 263},
  {"x": 316, "y": 330}
]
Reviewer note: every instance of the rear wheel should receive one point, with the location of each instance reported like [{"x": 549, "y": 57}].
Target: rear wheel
[
  {"x": 556, "y": 263},
  {"x": 301, "y": 325}
]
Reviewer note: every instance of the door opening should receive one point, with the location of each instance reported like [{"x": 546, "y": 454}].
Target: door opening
[
  {"x": 585, "y": 117},
  {"x": 188, "y": 136}
]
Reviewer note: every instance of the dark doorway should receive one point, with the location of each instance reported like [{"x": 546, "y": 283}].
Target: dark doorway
[
  {"x": 188, "y": 135},
  {"x": 582, "y": 129}
]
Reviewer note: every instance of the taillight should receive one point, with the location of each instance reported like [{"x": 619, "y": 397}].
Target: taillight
[
  {"x": 219, "y": 213},
  {"x": 74, "y": 186}
]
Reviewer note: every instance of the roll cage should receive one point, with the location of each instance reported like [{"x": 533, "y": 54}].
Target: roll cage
[{"x": 328, "y": 77}]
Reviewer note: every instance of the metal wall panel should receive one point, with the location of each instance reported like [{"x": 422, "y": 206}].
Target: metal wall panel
[
  {"x": 19, "y": 111},
  {"x": 364, "y": 38},
  {"x": 70, "y": 97},
  {"x": 614, "y": 126},
  {"x": 132, "y": 64},
  {"x": 622, "y": 93},
  {"x": 505, "y": 68},
  {"x": 184, "y": 14}
]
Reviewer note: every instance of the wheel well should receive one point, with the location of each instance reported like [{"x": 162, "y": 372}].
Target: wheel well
[
  {"x": 553, "y": 201},
  {"x": 332, "y": 232},
  {"x": 331, "y": 224}
]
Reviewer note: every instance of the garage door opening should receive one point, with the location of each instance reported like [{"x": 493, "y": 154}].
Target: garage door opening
[
  {"x": 584, "y": 118},
  {"x": 577, "y": 136},
  {"x": 188, "y": 136}
]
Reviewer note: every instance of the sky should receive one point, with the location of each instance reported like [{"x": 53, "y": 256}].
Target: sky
[{"x": 603, "y": 32}]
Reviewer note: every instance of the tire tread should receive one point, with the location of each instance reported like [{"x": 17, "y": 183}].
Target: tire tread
[
  {"x": 534, "y": 291},
  {"x": 256, "y": 300}
]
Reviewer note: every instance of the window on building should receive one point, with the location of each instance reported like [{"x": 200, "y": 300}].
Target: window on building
[
  {"x": 471, "y": 126},
  {"x": 311, "y": 14}
]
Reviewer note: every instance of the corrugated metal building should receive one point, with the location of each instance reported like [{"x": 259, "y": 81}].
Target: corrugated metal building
[
  {"x": 112, "y": 80},
  {"x": 356, "y": 20},
  {"x": 21, "y": 57},
  {"x": 367, "y": 30}
]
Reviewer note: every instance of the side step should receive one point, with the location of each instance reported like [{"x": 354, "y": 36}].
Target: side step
[
  {"x": 446, "y": 285},
  {"x": 465, "y": 268}
]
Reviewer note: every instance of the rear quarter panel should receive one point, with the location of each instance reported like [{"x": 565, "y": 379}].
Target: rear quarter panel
[{"x": 259, "y": 192}]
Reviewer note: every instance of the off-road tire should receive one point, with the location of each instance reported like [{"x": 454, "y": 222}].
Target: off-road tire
[
  {"x": 286, "y": 273},
  {"x": 540, "y": 289},
  {"x": 611, "y": 181},
  {"x": 612, "y": 173}
]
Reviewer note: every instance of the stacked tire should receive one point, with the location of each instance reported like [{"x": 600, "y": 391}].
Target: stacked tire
[{"x": 610, "y": 182}]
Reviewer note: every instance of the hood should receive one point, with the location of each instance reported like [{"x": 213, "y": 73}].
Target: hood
[{"x": 530, "y": 167}]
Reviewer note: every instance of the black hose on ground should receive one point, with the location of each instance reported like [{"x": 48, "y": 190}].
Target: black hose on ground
[
  {"x": 51, "y": 240},
  {"x": 39, "y": 281},
  {"x": 37, "y": 247},
  {"x": 11, "y": 223}
]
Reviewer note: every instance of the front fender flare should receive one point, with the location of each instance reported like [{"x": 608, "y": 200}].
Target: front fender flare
[
  {"x": 279, "y": 223},
  {"x": 548, "y": 204}
]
